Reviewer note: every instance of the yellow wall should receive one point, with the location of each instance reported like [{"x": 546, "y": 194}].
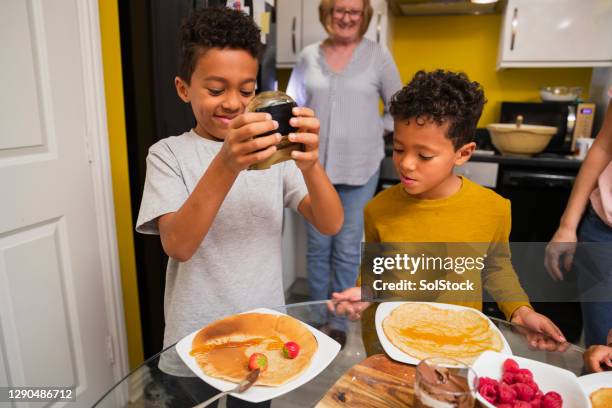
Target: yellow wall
[
  {"x": 113, "y": 87},
  {"x": 469, "y": 44}
]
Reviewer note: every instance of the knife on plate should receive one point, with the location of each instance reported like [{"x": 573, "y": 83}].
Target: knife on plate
[{"x": 240, "y": 388}]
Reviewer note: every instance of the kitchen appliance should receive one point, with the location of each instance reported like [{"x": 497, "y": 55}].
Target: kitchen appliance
[{"x": 572, "y": 120}]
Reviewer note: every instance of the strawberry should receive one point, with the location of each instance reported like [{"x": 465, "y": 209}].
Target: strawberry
[
  {"x": 291, "y": 349},
  {"x": 258, "y": 360}
]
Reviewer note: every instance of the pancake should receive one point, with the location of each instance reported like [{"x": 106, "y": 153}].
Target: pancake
[
  {"x": 602, "y": 398},
  {"x": 222, "y": 349},
  {"x": 421, "y": 330}
]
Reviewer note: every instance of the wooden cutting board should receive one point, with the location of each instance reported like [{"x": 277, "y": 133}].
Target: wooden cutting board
[{"x": 376, "y": 382}]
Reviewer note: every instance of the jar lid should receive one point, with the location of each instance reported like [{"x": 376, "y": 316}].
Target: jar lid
[{"x": 267, "y": 99}]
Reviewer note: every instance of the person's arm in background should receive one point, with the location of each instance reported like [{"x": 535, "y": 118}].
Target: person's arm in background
[
  {"x": 563, "y": 243},
  {"x": 389, "y": 84}
]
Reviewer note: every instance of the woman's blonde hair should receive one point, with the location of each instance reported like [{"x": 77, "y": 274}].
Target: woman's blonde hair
[{"x": 326, "y": 9}]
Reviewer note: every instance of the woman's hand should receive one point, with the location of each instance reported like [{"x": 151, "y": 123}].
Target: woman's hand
[
  {"x": 308, "y": 134},
  {"x": 241, "y": 148},
  {"x": 540, "y": 331},
  {"x": 561, "y": 246}
]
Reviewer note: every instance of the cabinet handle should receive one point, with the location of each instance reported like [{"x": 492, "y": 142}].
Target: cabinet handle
[
  {"x": 293, "y": 34},
  {"x": 514, "y": 26},
  {"x": 378, "y": 28}
]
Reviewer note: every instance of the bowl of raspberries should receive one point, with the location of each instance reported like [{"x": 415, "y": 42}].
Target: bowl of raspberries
[{"x": 506, "y": 381}]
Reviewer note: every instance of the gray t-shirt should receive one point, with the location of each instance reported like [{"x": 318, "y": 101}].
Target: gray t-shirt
[{"x": 238, "y": 265}]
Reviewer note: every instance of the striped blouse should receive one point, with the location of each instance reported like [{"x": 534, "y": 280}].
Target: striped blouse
[{"x": 347, "y": 104}]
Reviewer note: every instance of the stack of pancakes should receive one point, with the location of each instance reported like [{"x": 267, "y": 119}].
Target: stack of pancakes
[
  {"x": 222, "y": 349},
  {"x": 421, "y": 330}
]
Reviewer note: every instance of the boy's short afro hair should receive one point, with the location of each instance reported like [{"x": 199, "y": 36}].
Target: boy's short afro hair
[
  {"x": 441, "y": 96},
  {"x": 216, "y": 27}
]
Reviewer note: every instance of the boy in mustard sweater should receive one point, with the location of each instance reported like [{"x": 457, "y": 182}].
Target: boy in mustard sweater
[{"x": 435, "y": 118}]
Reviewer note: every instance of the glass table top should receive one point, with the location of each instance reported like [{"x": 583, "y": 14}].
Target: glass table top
[{"x": 148, "y": 386}]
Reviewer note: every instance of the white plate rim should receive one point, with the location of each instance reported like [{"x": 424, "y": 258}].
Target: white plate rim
[
  {"x": 256, "y": 393},
  {"x": 385, "y": 308}
]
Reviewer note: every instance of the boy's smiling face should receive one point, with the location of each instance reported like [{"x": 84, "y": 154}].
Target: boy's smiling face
[
  {"x": 221, "y": 86},
  {"x": 424, "y": 158}
]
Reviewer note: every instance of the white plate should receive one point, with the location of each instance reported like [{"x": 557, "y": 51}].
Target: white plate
[
  {"x": 548, "y": 377},
  {"x": 592, "y": 382},
  {"x": 384, "y": 309},
  {"x": 325, "y": 354}
]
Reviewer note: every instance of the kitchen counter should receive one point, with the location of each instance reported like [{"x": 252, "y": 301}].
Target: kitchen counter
[{"x": 540, "y": 161}]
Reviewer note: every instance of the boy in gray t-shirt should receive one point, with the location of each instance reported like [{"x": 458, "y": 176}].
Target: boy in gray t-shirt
[{"x": 220, "y": 225}]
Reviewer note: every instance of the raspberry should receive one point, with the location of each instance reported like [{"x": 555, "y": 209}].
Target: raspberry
[
  {"x": 521, "y": 404},
  {"x": 523, "y": 375},
  {"x": 552, "y": 400},
  {"x": 504, "y": 406},
  {"x": 506, "y": 393},
  {"x": 536, "y": 402},
  {"x": 508, "y": 377},
  {"x": 487, "y": 380},
  {"x": 489, "y": 392},
  {"x": 511, "y": 365},
  {"x": 534, "y": 387},
  {"x": 523, "y": 391}
]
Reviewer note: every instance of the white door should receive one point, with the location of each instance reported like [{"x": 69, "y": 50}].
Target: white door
[{"x": 59, "y": 320}]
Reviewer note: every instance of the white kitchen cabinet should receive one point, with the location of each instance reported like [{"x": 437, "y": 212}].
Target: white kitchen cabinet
[
  {"x": 556, "y": 33},
  {"x": 298, "y": 25}
]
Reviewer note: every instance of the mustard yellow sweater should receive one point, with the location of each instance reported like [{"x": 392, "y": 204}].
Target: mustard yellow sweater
[{"x": 472, "y": 215}]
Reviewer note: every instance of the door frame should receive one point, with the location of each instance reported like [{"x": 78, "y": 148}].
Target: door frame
[{"x": 96, "y": 140}]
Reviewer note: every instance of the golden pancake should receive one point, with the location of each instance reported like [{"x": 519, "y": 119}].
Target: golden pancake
[
  {"x": 602, "y": 398},
  {"x": 222, "y": 349},
  {"x": 421, "y": 330}
]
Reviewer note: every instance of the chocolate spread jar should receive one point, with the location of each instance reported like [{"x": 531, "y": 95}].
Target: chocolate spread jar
[{"x": 279, "y": 105}]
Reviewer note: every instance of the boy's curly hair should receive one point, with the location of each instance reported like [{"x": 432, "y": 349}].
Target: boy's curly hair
[
  {"x": 441, "y": 96},
  {"x": 215, "y": 27}
]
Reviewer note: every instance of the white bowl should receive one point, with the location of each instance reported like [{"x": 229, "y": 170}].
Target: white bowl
[
  {"x": 524, "y": 140},
  {"x": 548, "y": 378},
  {"x": 560, "y": 93}
]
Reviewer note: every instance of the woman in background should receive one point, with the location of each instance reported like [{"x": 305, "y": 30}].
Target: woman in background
[
  {"x": 588, "y": 218},
  {"x": 343, "y": 78}
]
